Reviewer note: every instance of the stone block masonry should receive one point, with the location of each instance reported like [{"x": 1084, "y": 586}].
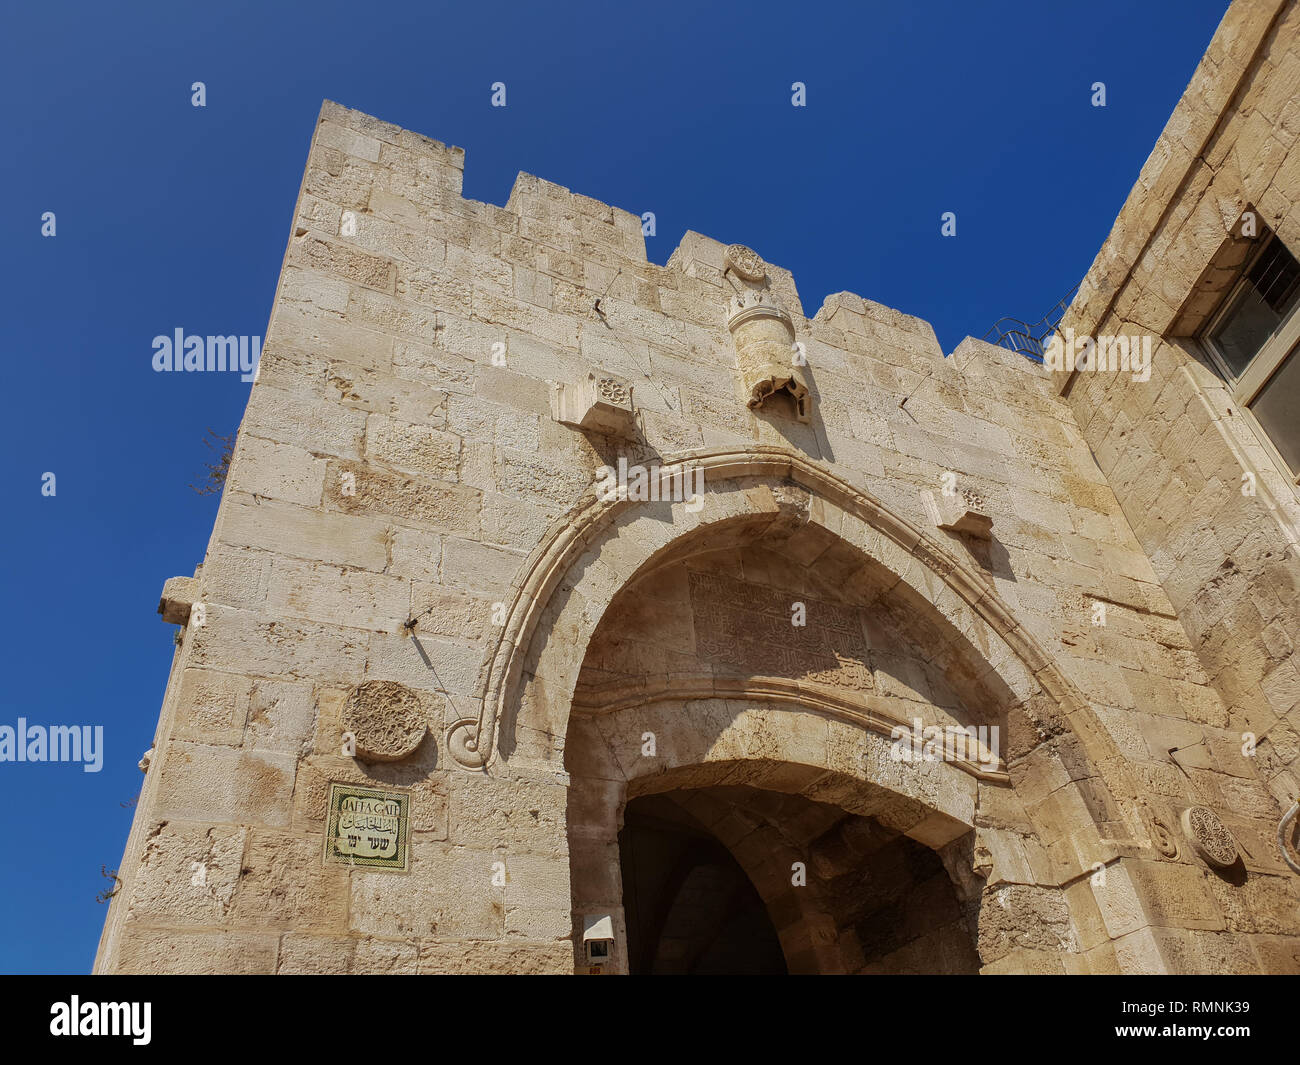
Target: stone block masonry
[{"x": 413, "y": 589}]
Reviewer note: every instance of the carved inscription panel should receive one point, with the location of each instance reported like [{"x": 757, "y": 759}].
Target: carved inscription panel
[{"x": 752, "y": 628}]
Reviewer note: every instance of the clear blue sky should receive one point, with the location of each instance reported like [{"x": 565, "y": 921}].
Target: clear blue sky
[{"x": 170, "y": 216}]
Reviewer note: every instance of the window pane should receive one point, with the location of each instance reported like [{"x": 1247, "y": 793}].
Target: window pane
[
  {"x": 1271, "y": 290},
  {"x": 1278, "y": 409},
  {"x": 1247, "y": 326},
  {"x": 1277, "y": 277}
]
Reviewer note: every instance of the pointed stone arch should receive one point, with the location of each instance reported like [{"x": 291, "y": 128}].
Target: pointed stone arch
[
  {"x": 1078, "y": 798},
  {"x": 570, "y": 579}
]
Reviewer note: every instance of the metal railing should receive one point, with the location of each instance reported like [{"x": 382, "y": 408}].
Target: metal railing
[{"x": 1026, "y": 339}]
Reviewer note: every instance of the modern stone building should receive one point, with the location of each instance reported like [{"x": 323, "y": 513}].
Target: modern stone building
[{"x": 446, "y": 699}]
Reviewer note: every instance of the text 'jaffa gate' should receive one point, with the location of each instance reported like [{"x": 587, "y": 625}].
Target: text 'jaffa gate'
[{"x": 565, "y": 612}]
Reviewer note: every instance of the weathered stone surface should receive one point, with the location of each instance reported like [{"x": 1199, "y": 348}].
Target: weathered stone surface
[
  {"x": 189, "y": 873},
  {"x": 515, "y": 958},
  {"x": 161, "y": 952},
  {"x": 204, "y": 783},
  {"x": 1059, "y": 582},
  {"x": 448, "y": 892},
  {"x": 284, "y": 885}
]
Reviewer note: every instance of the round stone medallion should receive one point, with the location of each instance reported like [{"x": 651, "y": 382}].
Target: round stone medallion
[
  {"x": 1209, "y": 836},
  {"x": 387, "y": 719},
  {"x": 746, "y": 262}
]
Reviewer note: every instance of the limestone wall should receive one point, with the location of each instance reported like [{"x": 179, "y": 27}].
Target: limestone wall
[
  {"x": 400, "y": 462},
  {"x": 1179, "y": 455}
]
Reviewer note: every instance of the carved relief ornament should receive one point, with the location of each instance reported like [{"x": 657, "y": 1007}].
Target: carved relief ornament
[{"x": 1210, "y": 836}]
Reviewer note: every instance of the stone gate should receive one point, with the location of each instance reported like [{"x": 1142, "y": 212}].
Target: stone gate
[{"x": 566, "y": 612}]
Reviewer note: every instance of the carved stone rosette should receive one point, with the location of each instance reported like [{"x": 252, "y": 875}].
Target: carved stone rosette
[
  {"x": 387, "y": 720},
  {"x": 1210, "y": 836},
  {"x": 763, "y": 333},
  {"x": 747, "y": 263}
]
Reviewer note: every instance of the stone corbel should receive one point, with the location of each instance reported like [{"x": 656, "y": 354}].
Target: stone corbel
[
  {"x": 179, "y": 594},
  {"x": 961, "y": 512},
  {"x": 602, "y": 403}
]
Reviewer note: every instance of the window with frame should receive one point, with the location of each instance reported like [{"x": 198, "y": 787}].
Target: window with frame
[{"x": 1254, "y": 341}]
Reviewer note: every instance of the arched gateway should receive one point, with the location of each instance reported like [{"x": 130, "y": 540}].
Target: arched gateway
[
  {"x": 763, "y": 656},
  {"x": 567, "y": 611}
]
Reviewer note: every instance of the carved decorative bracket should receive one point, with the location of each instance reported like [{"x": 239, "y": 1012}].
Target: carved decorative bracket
[
  {"x": 962, "y": 512},
  {"x": 602, "y": 403}
]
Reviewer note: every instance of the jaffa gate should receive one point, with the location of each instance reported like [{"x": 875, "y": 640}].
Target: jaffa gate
[{"x": 567, "y": 613}]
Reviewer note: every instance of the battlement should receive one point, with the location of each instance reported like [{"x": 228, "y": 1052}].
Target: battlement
[
  {"x": 400, "y": 273},
  {"x": 421, "y": 595},
  {"x": 404, "y": 193}
]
